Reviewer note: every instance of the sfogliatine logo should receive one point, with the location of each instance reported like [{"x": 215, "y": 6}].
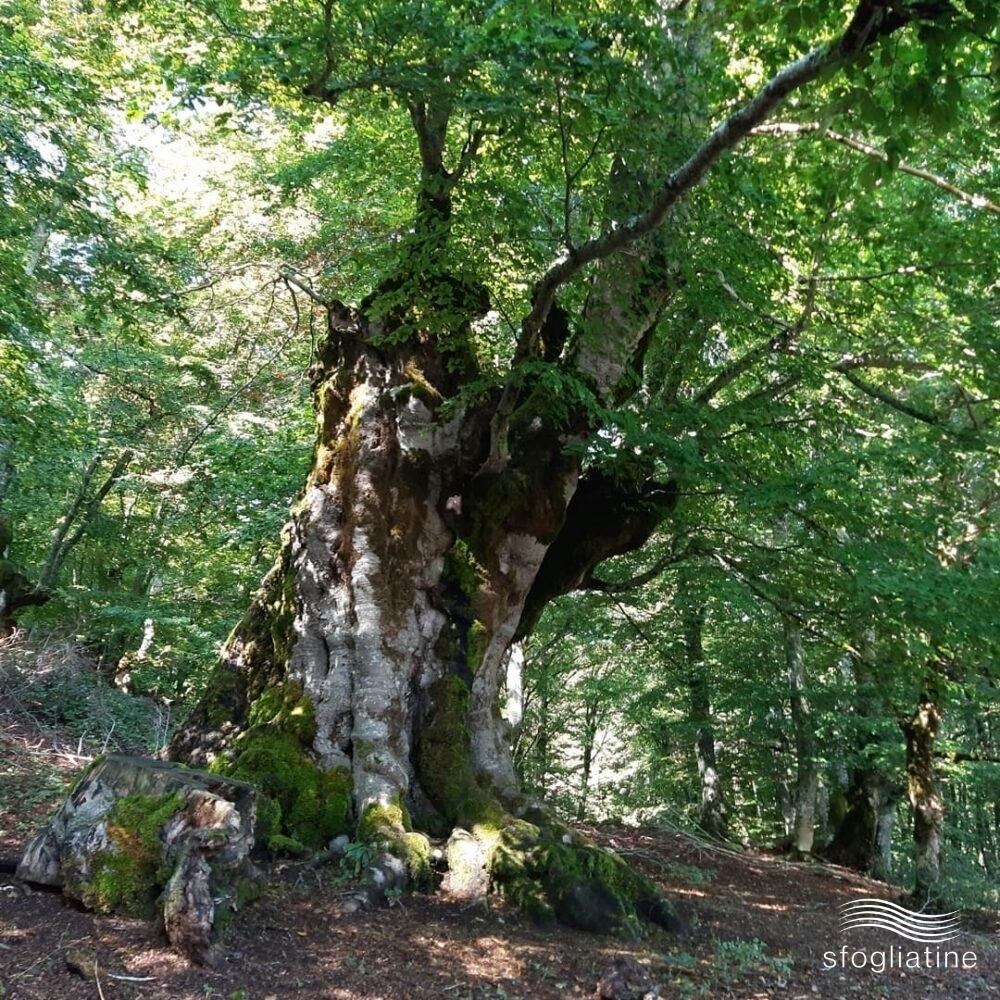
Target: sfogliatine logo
[
  {"x": 923, "y": 928},
  {"x": 932, "y": 930}
]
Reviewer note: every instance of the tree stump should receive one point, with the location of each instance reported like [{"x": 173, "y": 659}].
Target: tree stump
[{"x": 152, "y": 839}]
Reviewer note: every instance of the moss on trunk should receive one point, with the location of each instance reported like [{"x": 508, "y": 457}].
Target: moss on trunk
[
  {"x": 300, "y": 803},
  {"x": 129, "y": 876}
]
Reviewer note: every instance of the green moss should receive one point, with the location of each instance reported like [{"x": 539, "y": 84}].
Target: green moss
[
  {"x": 493, "y": 499},
  {"x": 285, "y": 707},
  {"x": 282, "y": 622},
  {"x": 378, "y": 817},
  {"x": 221, "y": 693},
  {"x": 390, "y": 826},
  {"x": 280, "y": 844},
  {"x": 444, "y": 759},
  {"x": 477, "y": 640},
  {"x": 420, "y": 386},
  {"x": 554, "y": 873},
  {"x": 129, "y": 875},
  {"x": 297, "y": 798},
  {"x": 461, "y": 567}
]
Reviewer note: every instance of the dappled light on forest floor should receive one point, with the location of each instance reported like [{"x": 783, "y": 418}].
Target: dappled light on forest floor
[{"x": 759, "y": 928}]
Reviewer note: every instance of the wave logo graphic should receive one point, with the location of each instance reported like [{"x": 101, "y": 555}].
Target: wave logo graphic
[{"x": 924, "y": 928}]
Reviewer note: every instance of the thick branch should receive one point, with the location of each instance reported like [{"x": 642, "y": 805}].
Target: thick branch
[
  {"x": 640, "y": 579},
  {"x": 873, "y": 19},
  {"x": 604, "y": 519}
]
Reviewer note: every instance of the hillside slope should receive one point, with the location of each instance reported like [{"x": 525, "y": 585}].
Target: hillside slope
[{"x": 760, "y": 928}]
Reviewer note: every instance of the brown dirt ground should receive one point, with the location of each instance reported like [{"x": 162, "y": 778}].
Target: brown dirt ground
[{"x": 297, "y": 941}]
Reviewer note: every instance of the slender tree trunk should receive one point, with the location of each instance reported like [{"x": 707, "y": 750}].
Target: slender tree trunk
[
  {"x": 590, "y": 722},
  {"x": 921, "y": 731},
  {"x": 807, "y": 773},
  {"x": 882, "y": 862},
  {"x": 16, "y": 590},
  {"x": 73, "y": 525},
  {"x": 712, "y": 813}
]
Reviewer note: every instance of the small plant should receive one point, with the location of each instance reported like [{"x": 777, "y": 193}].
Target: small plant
[
  {"x": 734, "y": 959},
  {"x": 357, "y": 858},
  {"x": 681, "y": 960},
  {"x": 690, "y": 873}
]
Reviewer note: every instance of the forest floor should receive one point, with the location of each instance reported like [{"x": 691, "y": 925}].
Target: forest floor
[{"x": 759, "y": 928}]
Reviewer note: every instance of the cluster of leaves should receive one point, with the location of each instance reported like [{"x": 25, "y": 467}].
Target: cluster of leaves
[{"x": 152, "y": 399}]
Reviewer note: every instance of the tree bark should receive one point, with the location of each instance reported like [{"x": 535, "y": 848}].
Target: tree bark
[
  {"x": 921, "y": 731},
  {"x": 712, "y": 815},
  {"x": 137, "y": 836},
  {"x": 863, "y": 838},
  {"x": 807, "y": 774},
  {"x": 16, "y": 589},
  {"x": 591, "y": 713}
]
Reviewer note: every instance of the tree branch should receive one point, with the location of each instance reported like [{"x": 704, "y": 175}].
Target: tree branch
[
  {"x": 820, "y": 131},
  {"x": 884, "y": 397},
  {"x": 872, "y": 20}
]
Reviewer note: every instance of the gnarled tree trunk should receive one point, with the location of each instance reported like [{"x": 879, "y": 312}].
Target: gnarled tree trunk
[
  {"x": 362, "y": 687},
  {"x": 863, "y": 838}
]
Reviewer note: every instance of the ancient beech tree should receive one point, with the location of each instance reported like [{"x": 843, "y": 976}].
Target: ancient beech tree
[{"x": 444, "y": 509}]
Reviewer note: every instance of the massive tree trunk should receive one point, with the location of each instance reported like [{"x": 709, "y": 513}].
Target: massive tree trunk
[
  {"x": 362, "y": 687},
  {"x": 921, "y": 731}
]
